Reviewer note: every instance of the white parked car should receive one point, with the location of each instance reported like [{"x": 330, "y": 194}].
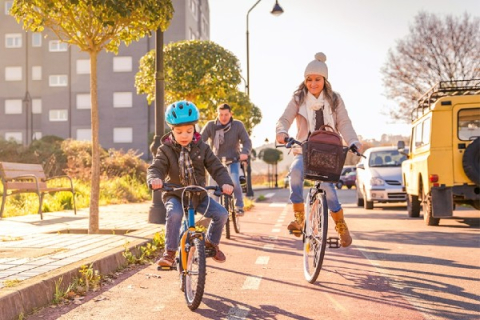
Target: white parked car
[{"x": 379, "y": 177}]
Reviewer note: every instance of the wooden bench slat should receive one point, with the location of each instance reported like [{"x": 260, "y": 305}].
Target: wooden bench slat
[{"x": 17, "y": 185}]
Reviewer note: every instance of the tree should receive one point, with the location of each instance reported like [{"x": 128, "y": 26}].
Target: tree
[
  {"x": 435, "y": 50},
  {"x": 202, "y": 72},
  {"x": 94, "y": 26},
  {"x": 272, "y": 157}
]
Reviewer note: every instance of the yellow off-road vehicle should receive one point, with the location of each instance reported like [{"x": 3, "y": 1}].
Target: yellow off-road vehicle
[{"x": 443, "y": 165}]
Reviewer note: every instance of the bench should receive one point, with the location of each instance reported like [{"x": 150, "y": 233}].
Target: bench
[{"x": 29, "y": 178}]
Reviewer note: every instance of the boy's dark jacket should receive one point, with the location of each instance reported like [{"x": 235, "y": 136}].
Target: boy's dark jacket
[{"x": 165, "y": 165}]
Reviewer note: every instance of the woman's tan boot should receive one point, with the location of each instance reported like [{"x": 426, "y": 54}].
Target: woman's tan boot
[
  {"x": 296, "y": 226},
  {"x": 341, "y": 228}
]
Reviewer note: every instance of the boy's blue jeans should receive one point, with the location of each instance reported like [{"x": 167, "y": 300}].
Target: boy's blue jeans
[
  {"x": 296, "y": 186},
  {"x": 174, "y": 211}
]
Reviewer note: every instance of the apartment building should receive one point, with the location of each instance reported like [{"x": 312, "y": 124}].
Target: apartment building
[{"x": 45, "y": 84}]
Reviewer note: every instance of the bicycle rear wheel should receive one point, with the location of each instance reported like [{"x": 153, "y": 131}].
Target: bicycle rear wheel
[
  {"x": 315, "y": 235},
  {"x": 235, "y": 218},
  {"x": 195, "y": 275}
]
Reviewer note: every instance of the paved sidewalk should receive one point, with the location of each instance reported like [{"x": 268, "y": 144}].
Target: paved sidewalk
[{"x": 35, "y": 253}]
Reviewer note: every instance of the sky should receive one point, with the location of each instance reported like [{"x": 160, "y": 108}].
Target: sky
[{"x": 355, "y": 35}]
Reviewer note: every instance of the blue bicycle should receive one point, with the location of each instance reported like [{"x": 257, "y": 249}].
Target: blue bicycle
[{"x": 190, "y": 260}]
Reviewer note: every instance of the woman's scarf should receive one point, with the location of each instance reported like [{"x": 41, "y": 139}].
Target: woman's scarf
[
  {"x": 220, "y": 131},
  {"x": 313, "y": 104},
  {"x": 186, "y": 169}
]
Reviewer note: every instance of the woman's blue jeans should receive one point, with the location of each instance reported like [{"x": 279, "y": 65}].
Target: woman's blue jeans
[
  {"x": 174, "y": 211},
  {"x": 296, "y": 186}
]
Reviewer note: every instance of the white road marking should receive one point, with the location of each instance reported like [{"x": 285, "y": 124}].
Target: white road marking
[
  {"x": 236, "y": 313},
  {"x": 269, "y": 195},
  {"x": 262, "y": 260},
  {"x": 278, "y": 225},
  {"x": 278, "y": 204},
  {"x": 276, "y": 230},
  {"x": 268, "y": 247},
  {"x": 252, "y": 283}
]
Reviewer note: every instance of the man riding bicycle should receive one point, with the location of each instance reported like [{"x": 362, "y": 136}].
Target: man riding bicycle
[{"x": 229, "y": 139}]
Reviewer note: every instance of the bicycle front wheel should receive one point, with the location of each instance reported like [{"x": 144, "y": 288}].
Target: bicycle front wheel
[
  {"x": 315, "y": 235},
  {"x": 195, "y": 274},
  {"x": 226, "y": 204},
  {"x": 235, "y": 218}
]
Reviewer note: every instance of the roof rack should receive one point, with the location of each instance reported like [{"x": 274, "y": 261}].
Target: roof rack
[{"x": 444, "y": 89}]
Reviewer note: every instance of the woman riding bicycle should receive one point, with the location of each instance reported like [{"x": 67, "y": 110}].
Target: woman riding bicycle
[
  {"x": 182, "y": 159},
  {"x": 315, "y": 104}
]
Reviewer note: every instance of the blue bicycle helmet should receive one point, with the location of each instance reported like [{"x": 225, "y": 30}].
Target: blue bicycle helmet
[{"x": 181, "y": 112}]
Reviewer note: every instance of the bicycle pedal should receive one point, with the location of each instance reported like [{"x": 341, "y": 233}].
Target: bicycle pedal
[
  {"x": 210, "y": 252},
  {"x": 296, "y": 232},
  {"x": 333, "y": 242},
  {"x": 160, "y": 268}
]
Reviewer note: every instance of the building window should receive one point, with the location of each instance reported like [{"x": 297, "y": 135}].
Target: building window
[
  {"x": 37, "y": 106},
  {"x": 15, "y": 136},
  {"x": 57, "y": 46},
  {"x": 13, "y": 40},
  {"x": 36, "y": 39},
  {"x": 122, "y": 135},
  {"x": 122, "y": 100},
  {"x": 122, "y": 64},
  {"x": 58, "y": 115},
  {"x": 8, "y": 6},
  {"x": 13, "y": 74},
  {"x": 13, "y": 106},
  {"x": 84, "y": 101},
  {"x": 83, "y": 66},
  {"x": 60, "y": 80},
  {"x": 37, "y": 135},
  {"x": 84, "y": 134},
  {"x": 36, "y": 73}
]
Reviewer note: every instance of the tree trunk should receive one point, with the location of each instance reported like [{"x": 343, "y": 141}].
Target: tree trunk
[{"x": 93, "y": 226}]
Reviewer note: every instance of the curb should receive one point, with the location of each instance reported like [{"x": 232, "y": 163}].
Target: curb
[{"x": 39, "y": 291}]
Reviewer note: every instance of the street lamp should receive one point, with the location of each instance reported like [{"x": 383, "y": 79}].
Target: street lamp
[
  {"x": 276, "y": 11},
  {"x": 157, "y": 213}
]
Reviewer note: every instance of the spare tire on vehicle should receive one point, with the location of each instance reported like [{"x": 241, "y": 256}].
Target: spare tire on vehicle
[{"x": 471, "y": 161}]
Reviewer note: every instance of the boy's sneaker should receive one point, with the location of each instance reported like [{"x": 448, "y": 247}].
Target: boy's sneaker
[
  {"x": 239, "y": 212},
  {"x": 219, "y": 256},
  {"x": 167, "y": 259}
]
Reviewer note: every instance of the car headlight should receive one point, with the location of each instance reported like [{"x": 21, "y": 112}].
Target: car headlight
[{"x": 375, "y": 181}]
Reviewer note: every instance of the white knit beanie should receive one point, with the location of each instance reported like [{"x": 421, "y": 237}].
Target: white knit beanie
[{"x": 317, "y": 66}]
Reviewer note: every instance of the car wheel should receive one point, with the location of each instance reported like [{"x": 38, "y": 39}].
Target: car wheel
[
  {"x": 413, "y": 206},
  {"x": 349, "y": 187},
  {"x": 428, "y": 212},
  {"x": 339, "y": 184},
  {"x": 359, "y": 199}
]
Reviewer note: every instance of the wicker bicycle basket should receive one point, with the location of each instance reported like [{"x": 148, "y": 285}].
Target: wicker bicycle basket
[{"x": 323, "y": 162}]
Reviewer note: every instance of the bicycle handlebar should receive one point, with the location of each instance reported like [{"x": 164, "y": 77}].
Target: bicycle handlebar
[
  {"x": 175, "y": 187},
  {"x": 290, "y": 141}
]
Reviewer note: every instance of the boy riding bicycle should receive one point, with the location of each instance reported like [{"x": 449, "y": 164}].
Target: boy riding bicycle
[{"x": 182, "y": 159}]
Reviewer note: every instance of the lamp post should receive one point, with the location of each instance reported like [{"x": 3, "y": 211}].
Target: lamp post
[
  {"x": 157, "y": 213},
  {"x": 276, "y": 11}
]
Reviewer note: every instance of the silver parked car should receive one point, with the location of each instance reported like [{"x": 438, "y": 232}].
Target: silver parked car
[{"x": 379, "y": 177}]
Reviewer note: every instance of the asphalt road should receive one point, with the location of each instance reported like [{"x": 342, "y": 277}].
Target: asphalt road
[{"x": 397, "y": 268}]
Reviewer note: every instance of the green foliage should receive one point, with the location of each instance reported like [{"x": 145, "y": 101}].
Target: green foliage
[
  {"x": 270, "y": 155},
  {"x": 94, "y": 25},
  {"x": 208, "y": 79}
]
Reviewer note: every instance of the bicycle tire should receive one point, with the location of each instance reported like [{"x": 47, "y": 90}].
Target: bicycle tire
[
  {"x": 226, "y": 204},
  {"x": 235, "y": 218},
  {"x": 315, "y": 235},
  {"x": 195, "y": 275}
]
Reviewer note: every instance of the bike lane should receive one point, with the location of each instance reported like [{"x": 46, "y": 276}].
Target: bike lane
[{"x": 262, "y": 279}]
